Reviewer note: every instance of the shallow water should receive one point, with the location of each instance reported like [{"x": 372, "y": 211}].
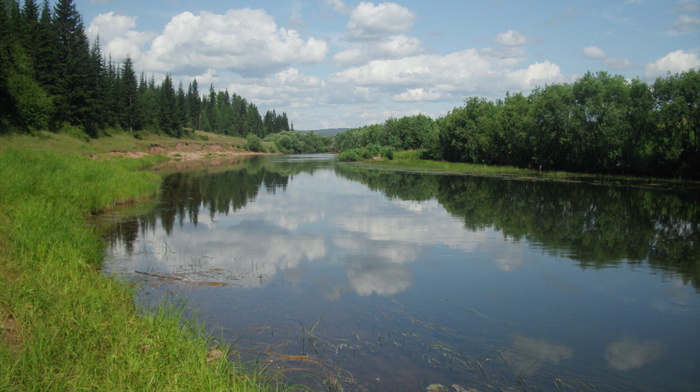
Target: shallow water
[{"x": 339, "y": 276}]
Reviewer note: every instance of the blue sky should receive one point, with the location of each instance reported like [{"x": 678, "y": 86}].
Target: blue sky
[{"x": 342, "y": 63}]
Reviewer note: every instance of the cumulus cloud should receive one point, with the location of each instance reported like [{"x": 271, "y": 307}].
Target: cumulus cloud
[
  {"x": 369, "y": 21},
  {"x": 245, "y": 41},
  {"x": 617, "y": 64},
  {"x": 674, "y": 62},
  {"x": 537, "y": 74},
  {"x": 288, "y": 88},
  {"x": 594, "y": 52},
  {"x": 511, "y": 38},
  {"x": 457, "y": 74},
  {"x": 388, "y": 48},
  {"x": 118, "y": 37}
]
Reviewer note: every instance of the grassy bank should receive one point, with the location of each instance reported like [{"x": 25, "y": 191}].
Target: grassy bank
[
  {"x": 125, "y": 143},
  {"x": 410, "y": 161},
  {"x": 65, "y": 327}
]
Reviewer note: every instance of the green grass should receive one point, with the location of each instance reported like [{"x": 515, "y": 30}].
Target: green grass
[
  {"x": 410, "y": 161},
  {"x": 68, "y": 327}
]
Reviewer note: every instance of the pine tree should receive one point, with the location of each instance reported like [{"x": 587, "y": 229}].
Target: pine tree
[
  {"x": 30, "y": 29},
  {"x": 130, "y": 97},
  {"x": 97, "y": 117},
  {"x": 167, "y": 107},
  {"x": 181, "y": 107},
  {"x": 194, "y": 105},
  {"x": 72, "y": 79},
  {"x": 45, "y": 62}
]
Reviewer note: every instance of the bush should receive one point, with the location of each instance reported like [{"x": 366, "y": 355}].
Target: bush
[
  {"x": 253, "y": 143},
  {"x": 388, "y": 153},
  {"x": 349, "y": 156}
]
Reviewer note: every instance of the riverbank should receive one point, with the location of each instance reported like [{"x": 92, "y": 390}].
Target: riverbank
[
  {"x": 124, "y": 145},
  {"x": 63, "y": 325},
  {"x": 410, "y": 161}
]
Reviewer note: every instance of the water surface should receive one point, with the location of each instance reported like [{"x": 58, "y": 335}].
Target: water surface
[{"x": 342, "y": 277}]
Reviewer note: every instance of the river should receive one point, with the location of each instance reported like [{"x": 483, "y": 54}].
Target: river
[{"x": 344, "y": 278}]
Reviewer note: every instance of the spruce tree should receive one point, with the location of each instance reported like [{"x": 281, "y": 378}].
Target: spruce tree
[
  {"x": 72, "y": 77},
  {"x": 167, "y": 107},
  {"x": 130, "y": 97},
  {"x": 45, "y": 51},
  {"x": 194, "y": 105}
]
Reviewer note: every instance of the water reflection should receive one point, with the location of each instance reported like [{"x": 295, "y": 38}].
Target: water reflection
[
  {"x": 528, "y": 354},
  {"x": 409, "y": 280},
  {"x": 596, "y": 225},
  {"x": 631, "y": 353}
]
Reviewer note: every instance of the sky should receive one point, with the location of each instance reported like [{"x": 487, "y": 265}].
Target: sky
[{"x": 343, "y": 63}]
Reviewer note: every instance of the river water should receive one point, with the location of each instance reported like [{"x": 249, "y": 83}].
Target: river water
[{"x": 344, "y": 278}]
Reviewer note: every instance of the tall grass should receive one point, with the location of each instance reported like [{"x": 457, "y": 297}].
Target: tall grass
[{"x": 75, "y": 329}]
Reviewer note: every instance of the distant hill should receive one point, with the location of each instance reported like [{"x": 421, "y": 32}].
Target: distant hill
[{"x": 327, "y": 132}]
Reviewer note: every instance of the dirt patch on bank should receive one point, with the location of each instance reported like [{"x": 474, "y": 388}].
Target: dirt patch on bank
[
  {"x": 186, "y": 151},
  {"x": 9, "y": 332}
]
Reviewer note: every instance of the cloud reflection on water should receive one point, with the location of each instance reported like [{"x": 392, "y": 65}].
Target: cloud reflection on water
[
  {"x": 630, "y": 353},
  {"x": 373, "y": 237}
]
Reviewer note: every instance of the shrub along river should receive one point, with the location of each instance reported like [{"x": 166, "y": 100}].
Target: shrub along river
[{"x": 371, "y": 280}]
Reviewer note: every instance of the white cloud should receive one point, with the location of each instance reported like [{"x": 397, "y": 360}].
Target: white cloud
[
  {"x": 338, "y": 6},
  {"x": 418, "y": 95},
  {"x": 369, "y": 21},
  {"x": 118, "y": 38},
  {"x": 110, "y": 26},
  {"x": 245, "y": 41},
  {"x": 511, "y": 38},
  {"x": 388, "y": 48},
  {"x": 537, "y": 74},
  {"x": 674, "y": 62},
  {"x": 594, "y": 52},
  {"x": 618, "y": 64},
  {"x": 687, "y": 24},
  {"x": 434, "y": 77}
]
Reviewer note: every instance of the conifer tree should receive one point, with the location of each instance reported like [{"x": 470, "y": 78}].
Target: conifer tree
[
  {"x": 72, "y": 79},
  {"x": 167, "y": 107},
  {"x": 130, "y": 97},
  {"x": 44, "y": 61},
  {"x": 194, "y": 105}
]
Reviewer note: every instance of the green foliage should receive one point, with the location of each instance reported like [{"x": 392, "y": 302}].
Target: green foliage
[
  {"x": 406, "y": 133},
  {"x": 78, "y": 328},
  {"x": 370, "y": 152},
  {"x": 291, "y": 142},
  {"x": 600, "y": 123},
  {"x": 253, "y": 143}
]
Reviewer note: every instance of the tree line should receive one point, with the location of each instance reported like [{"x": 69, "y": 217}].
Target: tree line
[
  {"x": 52, "y": 77},
  {"x": 601, "y": 123}
]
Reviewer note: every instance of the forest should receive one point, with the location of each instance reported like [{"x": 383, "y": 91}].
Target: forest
[
  {"x": 601, "y": 123},
  {"x": 53, "y": 78}
]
